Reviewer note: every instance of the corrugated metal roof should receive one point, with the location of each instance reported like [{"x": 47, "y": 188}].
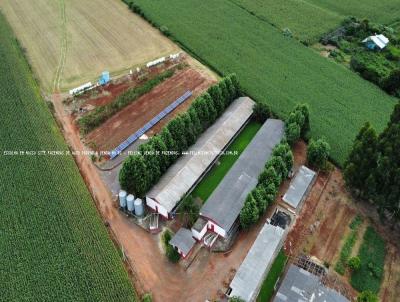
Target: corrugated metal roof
[
  {"x": 180, "y": 177},
  {"x": 300, "y": 285},
  {"x": 224, "y": 204},
  {"x": 298, "y": 186},
  {"x": 257, "y": 263},
  {"x": 380, "y": 40},
  {"x": 183, "y": 240}
]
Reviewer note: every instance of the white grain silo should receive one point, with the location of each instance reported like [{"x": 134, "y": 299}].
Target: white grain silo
[
  {"x": 122, "y": 199},
  {"x": 139, "y": 207},
  {"x": 130, "y": 202}
]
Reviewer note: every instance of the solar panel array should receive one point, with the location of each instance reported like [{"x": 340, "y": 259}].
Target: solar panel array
[{"x": 130, "y": 140}]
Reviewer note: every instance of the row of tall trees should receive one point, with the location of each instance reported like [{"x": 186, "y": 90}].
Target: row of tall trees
[
  {"x": 141, "y": 171},
  {"x": 276, "y": 170},
  {"x": 298, "y": 124},
  {"x": 372, "y": 169}
]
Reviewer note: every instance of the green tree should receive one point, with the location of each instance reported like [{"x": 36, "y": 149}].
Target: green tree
[
  {"x": 362, "y": 160},
  {"x": 196, "y": 123},
  {"x": 212, "y": 112},
  {"x": 190, "y": 134},
  {"x": 306, "y": 127},
  {"x": 134, "y": 176},
  {"x": 177, "y": 129},
  {"x": 259, "y": 196},
  {"x": 202, "y": 110},
  {"x": 147, "y": 298},
  {"x": 261, "y": 112},
  {"x": 292, "y": 133},
  {"x": 269, "y": 176},
  {"x": 249, "y": 213},
  {"x": 225, "y": 93},
  {"x": 216, "y": 94},
  {"x": 367, "y": 296},
  {"x": 160, "y": 147},
  {"x": 231, "y": 89},
  {"x": 153, "y": 162},
  {"x": 188, "y": 211},
  {"x": 170, "y": 143},
  {"x": 283, "y": 150},
  {"x": 171, "y": 253},
  {"x": 354, "y": 263},
  {"x": 279, "y": 165},
  {"x": 235, "y": 83},
  {"x": 318, "y": 153}
]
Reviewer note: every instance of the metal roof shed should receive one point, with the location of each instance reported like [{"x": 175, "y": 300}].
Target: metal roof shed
[
  {"x": 301, "y": 285},
  {"x": 183, "y": 241},
  {"x": 185, "y": 173},
  {"x": 251, "y": 274},
  {"x": 299, "y": 186},
  {"x": 224, "y": 204}
]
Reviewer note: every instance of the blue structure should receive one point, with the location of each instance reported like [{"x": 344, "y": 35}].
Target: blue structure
[
  {"x": 130, "y": 140},
  {"x": 105, "y": 78}
]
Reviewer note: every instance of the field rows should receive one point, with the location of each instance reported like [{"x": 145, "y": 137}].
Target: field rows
[
  {"x": 274, "y": 69},
  {"x": 54, "y": 246}
]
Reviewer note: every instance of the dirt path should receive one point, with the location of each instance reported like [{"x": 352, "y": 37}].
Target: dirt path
[
  {"x": 390, "y": 289},
  {"x": 63, "y": 50}
]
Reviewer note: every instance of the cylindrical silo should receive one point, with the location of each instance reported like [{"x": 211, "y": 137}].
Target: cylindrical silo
[
  {"x": 122, "y": 199},
  {"x": 130, "y": 201},
  {"x": 139, "y": 208}
]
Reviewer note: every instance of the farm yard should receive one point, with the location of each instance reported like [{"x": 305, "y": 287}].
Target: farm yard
[
  {"x": 275, "y": 69},
  {"x": 72, "y": 42},
  {"x": 172, "y": 79},
  {"x": 328, "y": 220},
  {"x": 54, "y": 246}
]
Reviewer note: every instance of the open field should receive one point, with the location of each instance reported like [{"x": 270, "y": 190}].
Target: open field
[
  {"x": 72, "y": 42},
  {"x": 275, "y": 69},
  {"x": 309, "y": 19},
  {"x": 208, "y": 184},
  {"x": 134, "y": 116},
  {"x": 54, "y": 246}
]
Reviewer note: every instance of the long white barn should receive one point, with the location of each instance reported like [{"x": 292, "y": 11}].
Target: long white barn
[{"x": 189, "y": 169}]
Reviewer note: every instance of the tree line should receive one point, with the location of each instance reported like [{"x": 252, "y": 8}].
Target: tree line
[
  {"x": 372, "y": 169},
  {"x": 141, "y": 171}
]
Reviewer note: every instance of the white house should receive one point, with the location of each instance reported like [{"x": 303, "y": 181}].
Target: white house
[{"x": 376, "y": 42}]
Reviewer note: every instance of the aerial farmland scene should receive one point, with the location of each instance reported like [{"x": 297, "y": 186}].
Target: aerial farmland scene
[{"x": 200, "y": 150}]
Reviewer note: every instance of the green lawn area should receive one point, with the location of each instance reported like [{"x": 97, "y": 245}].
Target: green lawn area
[
  {"x": 207, "y": 185},
  {"x": 53, "y": 244},
  {"x": 267, "y": 289},
  {"x": 274, "y": 69},
  {"x": 372, "y": 254}
]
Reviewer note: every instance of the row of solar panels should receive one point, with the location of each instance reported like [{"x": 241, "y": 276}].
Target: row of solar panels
[{"x": 130, "y": 140}]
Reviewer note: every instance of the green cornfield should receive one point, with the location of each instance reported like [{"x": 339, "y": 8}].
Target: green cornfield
[
  {"x": 308, "y": 20},
  {"x": 53, "y": 244},
  {"x": 273, "y": 68}
]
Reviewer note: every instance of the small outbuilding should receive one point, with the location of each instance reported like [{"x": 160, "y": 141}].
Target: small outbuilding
[
  {"x": 299, "y": 187},
  {"x": 376, "y": 42},
  {"x": 301, "y": 285},
  {"x": 183, "y": 241}
]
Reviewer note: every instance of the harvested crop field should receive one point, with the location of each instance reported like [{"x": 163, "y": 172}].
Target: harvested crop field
[
  {"x": 130, "y": 119},
  {"x": 72, "y": 42}
]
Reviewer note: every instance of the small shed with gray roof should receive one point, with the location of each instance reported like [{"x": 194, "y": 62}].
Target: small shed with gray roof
[
  {"x": 183, "y": 241},
  {"x": 301, "y": 285},
  {"x": 299, "y": 187},
  {"x": 224, "y": 205}
]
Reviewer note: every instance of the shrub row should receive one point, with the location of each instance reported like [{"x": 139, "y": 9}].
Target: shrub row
[
  {"x": 276, "y": 170},
  {"x": 99, "y": 115},
  {"x": 298, "y": 124},
  {"x": 348, "y": 246},
  {"x": 141, "y": 171}
]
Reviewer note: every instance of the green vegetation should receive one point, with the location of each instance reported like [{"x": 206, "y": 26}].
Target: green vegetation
[
  {"x": 372, "y": 254},
  {"x": 141, "y": 171},
  {"x": 354, "y": 263},
  {"x": 348, "y": 245},
  {"x": 54, "y": 246},
  {"x": 207, "y": 185},
  {"x": 267, "y": 288},
  {"x": 367, "y": 296},
  {"x": 188, "y": 211},
  {"x": 318, "y": 153},
  {"x": 171, "y": 253},
  {"x": 99, "y": 115},
  {"x": 273, "y": 68},
  {"x": 276, "y": 170},
  {"x": 298, "y": 124},
  {"x": 372, "y": 168}
]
